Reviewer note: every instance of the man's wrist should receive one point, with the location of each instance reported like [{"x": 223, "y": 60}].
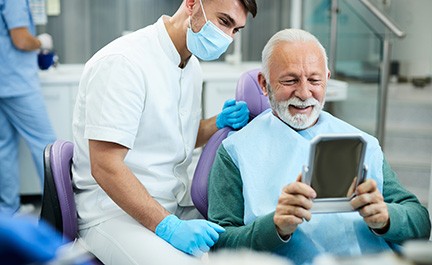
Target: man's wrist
[
  {"x": 167, "y": 226},
  {"x": 383, "y": 230},
  {"x": 282, "y": 236},
  {"x": 284, "y": 239}
]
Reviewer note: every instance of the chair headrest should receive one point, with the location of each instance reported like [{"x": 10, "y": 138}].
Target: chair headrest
[{"x": 248, "y": 90}]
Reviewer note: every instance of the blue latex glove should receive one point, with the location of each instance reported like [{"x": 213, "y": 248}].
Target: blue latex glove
[
  {"x": 194, "y": 237},
  {"x": 234, "y": 114},
  {"x": 23, "y": 240}
]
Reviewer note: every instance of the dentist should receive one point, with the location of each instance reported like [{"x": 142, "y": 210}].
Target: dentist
[{"x": 136, "y": 122}]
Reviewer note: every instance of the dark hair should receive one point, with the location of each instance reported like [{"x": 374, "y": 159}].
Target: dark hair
[{"x": 251, "y": 6}]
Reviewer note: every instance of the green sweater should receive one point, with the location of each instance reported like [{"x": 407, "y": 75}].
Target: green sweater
[{"x": 408, "y": 218}]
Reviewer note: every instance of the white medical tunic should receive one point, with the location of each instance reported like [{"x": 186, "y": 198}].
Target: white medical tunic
[{"x": 133, "y": 93}]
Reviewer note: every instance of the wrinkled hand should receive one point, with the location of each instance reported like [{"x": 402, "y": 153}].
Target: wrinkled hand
[
  {"x": 194, "y": 237},
  {"x": 235, "y": 114},
  {"x": 371, "y": 206},
  {"x": 293, "y": 207},
  {"x": 46, "y": 41}
]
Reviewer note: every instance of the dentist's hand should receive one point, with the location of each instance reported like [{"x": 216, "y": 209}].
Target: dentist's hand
[
  {"x": 194, "y": 237},
  {"x": 235, "y": 114}
]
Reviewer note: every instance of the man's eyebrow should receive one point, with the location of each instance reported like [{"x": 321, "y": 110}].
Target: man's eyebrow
[
  {"x": 231, "y": 20},
  {"x": 289, "y": 75},
  {"x": 315, "y": 74}
]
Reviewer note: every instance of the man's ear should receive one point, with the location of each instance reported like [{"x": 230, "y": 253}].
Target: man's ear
[
  {"x": 189, "y": 6},
  {"x": 262, "y": 83}
]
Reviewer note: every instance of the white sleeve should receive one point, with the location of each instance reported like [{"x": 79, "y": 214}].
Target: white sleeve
[{"x": 115, "y": 98}]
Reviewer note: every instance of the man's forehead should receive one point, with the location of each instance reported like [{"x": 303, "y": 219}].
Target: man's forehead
[
  {"x": 233, "y": 10},
  {"x": 295, "y": 47},
  {"x": 296, "y": 63},
  {"x": 297, "y": 53}
]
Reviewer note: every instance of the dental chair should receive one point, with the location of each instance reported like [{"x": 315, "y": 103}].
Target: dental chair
[
  {"x": 58, "y": 203},
  {"x": 247, "y": 90}
]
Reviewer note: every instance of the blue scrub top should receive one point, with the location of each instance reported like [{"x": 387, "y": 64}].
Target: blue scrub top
[{"x": 18, "y": 69}]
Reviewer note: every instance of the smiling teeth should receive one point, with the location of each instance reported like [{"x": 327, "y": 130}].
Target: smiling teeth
[{"x": 300, "y": 106}]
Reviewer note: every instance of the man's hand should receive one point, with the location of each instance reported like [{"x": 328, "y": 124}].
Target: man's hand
[
  {"x": 371, "y": 206},
  {"x": 293, "y": 207}
]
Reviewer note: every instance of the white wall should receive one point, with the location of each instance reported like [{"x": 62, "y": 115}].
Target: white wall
[{"x": 415, "y": 50}]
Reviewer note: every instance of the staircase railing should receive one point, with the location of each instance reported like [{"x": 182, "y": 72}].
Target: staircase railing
[{"x": 384, "y": 28}]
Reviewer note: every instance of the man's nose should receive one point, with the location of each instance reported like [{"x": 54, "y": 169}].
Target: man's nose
[{"x": 303, "y": 91}]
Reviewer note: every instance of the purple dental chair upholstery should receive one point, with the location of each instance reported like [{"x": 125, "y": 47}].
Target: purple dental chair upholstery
[
  {"x": 247, "y": 90},
  {"x": 58, "y": 203}
]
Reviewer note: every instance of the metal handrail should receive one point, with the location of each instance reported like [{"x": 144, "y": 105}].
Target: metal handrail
[
  {"x": 383, "y": 18},
  {"x": 385, "y": 63},
  {"x": 385, "y": 68}
]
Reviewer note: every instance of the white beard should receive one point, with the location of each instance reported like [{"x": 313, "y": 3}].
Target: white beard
[{"x": 297, "y": 121}]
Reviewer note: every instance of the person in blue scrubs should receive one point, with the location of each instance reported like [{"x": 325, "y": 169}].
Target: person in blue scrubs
[{"x": 22, "y": 108}]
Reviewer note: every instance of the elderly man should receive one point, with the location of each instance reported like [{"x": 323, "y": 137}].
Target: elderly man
[{"x": 255, "y": 190}]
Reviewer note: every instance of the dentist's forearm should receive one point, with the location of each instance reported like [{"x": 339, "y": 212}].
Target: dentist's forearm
[{"x": 122, "y": 186}]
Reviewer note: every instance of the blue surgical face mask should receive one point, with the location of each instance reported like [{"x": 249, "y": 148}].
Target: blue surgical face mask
[{"x": 209, "y": 43}]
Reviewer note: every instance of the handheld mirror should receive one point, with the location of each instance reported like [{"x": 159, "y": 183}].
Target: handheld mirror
[{"x": 335, "y": 168}]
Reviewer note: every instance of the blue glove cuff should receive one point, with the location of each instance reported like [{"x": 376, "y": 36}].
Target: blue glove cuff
[
  {"x": 219, "y": 122},
  {"x": 167, "y": 226}
]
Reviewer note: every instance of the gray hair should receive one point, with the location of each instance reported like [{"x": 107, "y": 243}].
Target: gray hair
[{"x": 287, "y": 35}]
